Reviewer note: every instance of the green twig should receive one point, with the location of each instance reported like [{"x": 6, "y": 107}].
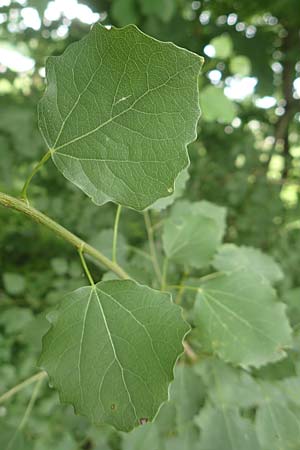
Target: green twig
[
  {"x": 115, "y": 238},
  {"x": 27, "y": 412},
  {"x": 85, "y": 267},
  {"x": 152, "y": 246},
  {"x": 164, "y": 274},
  {"x": 23, "y": 385},
  {"x": 30, "y": 405},
  {"x": 59, "y": 230},
  {"x": 35, "y": 170}
]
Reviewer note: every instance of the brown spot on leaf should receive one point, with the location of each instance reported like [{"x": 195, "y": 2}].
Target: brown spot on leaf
[{"x": 143, "y": 421}]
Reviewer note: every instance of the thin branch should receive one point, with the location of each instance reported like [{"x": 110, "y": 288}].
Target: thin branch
[
  {"x": 59, "y": 230},
  {"x": 30, "y": 405},
  {"x": 152, "y": 245},
  {"x": 164, "y": 274},
  {"x": 35, "y": 170},
  {"x": 23, "y": 385},
  {"x": 85, "y": 267},
  {"x": 115, "y": 238}
]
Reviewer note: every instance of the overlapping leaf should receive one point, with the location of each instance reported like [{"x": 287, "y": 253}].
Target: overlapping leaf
[
  {"x": 193, "y": 232},
  {"x": 235, "y": 315},
  {"x": 231, "y": 257},
  {"x": 118, "y": 112},
  {"x": 111, "y": 351},
  {"x": 226, "y": 429}
]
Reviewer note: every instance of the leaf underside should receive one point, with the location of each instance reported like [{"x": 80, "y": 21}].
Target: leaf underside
[
  {"x": 229, "y": 324},
  {"x": 119, "y": 110},
  {"x": 111, "y": 351}
]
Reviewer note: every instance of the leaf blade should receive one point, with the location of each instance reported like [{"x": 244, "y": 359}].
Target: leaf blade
[
  {"x": 118, "y": 132},
  {"x": 111, "y": 351}
]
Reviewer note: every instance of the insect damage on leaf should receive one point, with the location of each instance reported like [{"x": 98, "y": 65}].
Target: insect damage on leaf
[{"x": 119, "y": 110}]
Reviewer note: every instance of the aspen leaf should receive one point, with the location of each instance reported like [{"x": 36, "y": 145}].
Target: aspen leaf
[
  {"x": 111, "y": 351},
  {"x": 119, "y": 110},
  {"x": 229, "y": 324}
]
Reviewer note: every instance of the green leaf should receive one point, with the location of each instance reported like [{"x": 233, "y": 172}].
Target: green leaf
[
  {"x": 15, "y": 319},
  {"x": 187, "y": 392},
  {"x": 226, "y": 429},
  {"x": 111, "y": 351},
  {"x": 228, "y": 386},
  {"x": 223, "y": 46},
  {"x": 103, "y": 242},
  {"x": 164, "y": 9},
  {"x": 180, "y": 183},
  {"x": 193, "y": 232},
  {"x": 186, "y": 438},
  {"x": 11, "y": 438},
  {"x": 146, "y": 437},
  {"x": 124, "y": 12},
  {"x": 240, "y": 65},
  {"x": 230, "y": 258},
  {"x": 278, "y": 425},
  {"x": 60, "y": 266},
  {"x": 235, "y": 315},
  {"x": 216, "y": 106},
  {"x": 14, "y": 283},
  {"x": 292, "y": 299},
  {"x": 118, "y": 113}
]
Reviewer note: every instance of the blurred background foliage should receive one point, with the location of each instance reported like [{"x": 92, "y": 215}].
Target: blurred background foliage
[{"x": 246, "y": 157}]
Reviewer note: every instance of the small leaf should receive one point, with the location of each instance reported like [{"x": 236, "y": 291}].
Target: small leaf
[
  {"x": 193, "y": 232},
  {"x": 235, "y": 315},
  {"x": 118, "y": 113},
  {"x": 223, "y": 46},
  {"x": 216, "y": 106},
  {"x": 226, "y": 429},
  {"x": 14, "y": 283},
  {"x": 111, "y": 351},
  {"x": 230, "y": 258},
  {"x": 240, "y": 65}
]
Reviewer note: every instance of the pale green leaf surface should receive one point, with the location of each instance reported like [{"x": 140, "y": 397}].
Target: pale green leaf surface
[
  {"x": 230, "y": 257},
  {"x": 111, "y": 351},
  {"x": 119, "y": 110},
  {"x": 186, "y": 438},
  {"x": 225, "y": 429},
  {"x": 103, "y": 242},
  {"x": 278, "y": 426},
  {"x": 229, "y": 386},
  {"x": 223, "y": 45},
  {"x": 180, "y": 183},
  {"x": 14, "y": 283},
  {"x": 146, "y": 437},
  {"x": 193, "y": 232},
  {"x": 216, "y": 106},
  {"x": 235, "y": 315},
  {"x": 11, "y": 438},
  {"x": 240, "y": 65},
  {"x": 187, "y": 392}
]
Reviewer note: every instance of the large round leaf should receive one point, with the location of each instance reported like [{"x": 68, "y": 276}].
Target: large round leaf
[
  {"x": 118, "y": 112},
  {"x": 111, "y": 351}
]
